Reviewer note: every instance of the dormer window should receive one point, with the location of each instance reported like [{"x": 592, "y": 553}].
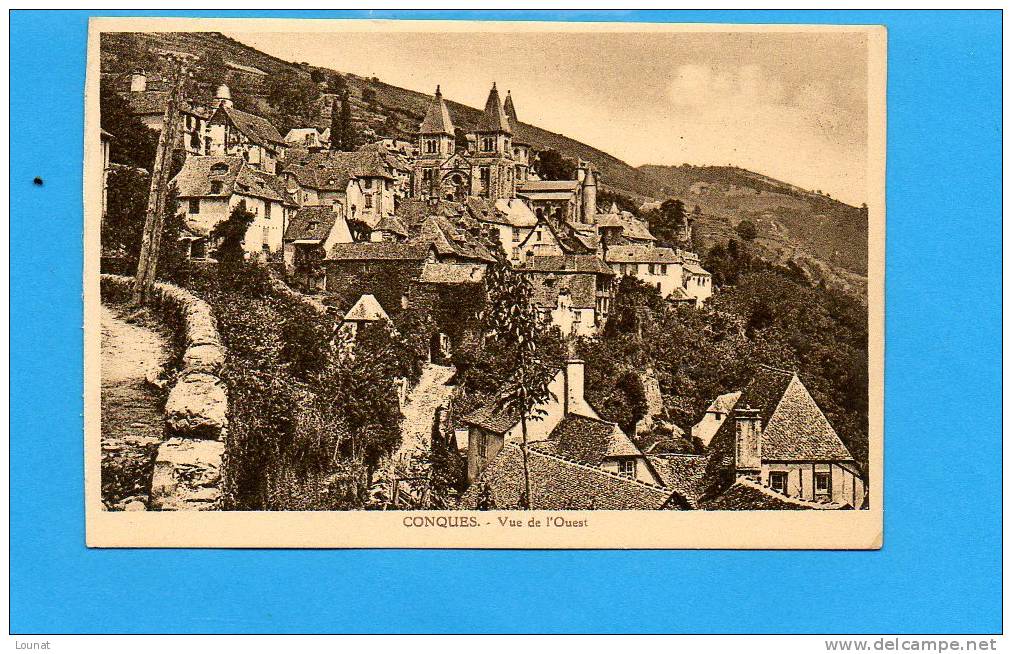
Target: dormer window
[
  {"x": 488, "y": 144},
  {"x": 627, "y": 468},
  {"x": 219, "y": 169},
  {"x": 216, "y": 186}
]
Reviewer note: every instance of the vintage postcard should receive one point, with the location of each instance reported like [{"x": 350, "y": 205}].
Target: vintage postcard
[{"x": 415, "y": 284}]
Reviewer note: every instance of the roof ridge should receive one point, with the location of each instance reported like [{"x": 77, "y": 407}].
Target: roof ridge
[
  {"x": 609, "y": 473},
  {"x": 775, "y": 369},
  {"x": 785, "y": 498}
]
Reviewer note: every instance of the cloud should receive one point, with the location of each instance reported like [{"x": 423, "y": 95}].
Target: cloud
[{"x": 696, "y": 85}]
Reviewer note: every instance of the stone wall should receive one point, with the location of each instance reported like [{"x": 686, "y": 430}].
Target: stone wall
[{"x": 187, "y": 471}]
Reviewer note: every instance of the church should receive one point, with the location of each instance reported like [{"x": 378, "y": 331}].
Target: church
[{"x": 496, "y": 164}]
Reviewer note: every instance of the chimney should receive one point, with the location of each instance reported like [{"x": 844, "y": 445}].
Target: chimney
[
  {"x": 574, "y": 385},
  {"x": 747, "y": 442},
  {"x": 138, "y": 82}
]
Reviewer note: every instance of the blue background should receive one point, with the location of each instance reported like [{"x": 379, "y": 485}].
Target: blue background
[{"x": 940, "y": 569}]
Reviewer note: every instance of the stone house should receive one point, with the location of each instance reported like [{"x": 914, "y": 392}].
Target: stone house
[
  {"x": 657, "y": 267},
  {"x": 210, "y": 187},
  {"x": 573, "y": 292},
  {"x": 147, "y": 98},
  {"x": 777, "y": 437},
  {"x": 308, "y": 138},
  {"x": 561, "y": 484},
  {"x": 697, "y": 282},
  {"x": 366, "y": 310},
  {"x": 714, "y": 416},
  {"x": 232, "y": 132},
  {"x": 566, "y": 426},
  {"x": 382, "y": 269},
  {"x": 361, "y": 181},
  {"x": 311, "y": 232}
]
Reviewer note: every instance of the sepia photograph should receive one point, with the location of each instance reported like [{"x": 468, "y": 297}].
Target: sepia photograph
[{"x": 466, "y": 284}]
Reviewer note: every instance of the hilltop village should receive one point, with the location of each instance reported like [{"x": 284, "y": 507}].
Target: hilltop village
[{"x": 393, "y": 230}]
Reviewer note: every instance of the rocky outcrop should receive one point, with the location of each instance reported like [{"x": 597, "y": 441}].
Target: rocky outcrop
[{"x": 187, "y": 465}]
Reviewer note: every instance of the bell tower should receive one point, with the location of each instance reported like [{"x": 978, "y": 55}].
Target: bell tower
[
  {"x": 435, "y": 145},
  {"x": 493, "y": 172}
]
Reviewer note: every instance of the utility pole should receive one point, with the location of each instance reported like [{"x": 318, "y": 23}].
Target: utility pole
[{"x": 151, "y": 238}]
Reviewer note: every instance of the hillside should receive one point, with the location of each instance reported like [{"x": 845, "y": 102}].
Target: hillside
[
  {"x": 826, "y": 236},
  {"x": 786, "y": 216}
]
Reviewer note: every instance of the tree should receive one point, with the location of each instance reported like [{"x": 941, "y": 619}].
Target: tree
[
  {"x": 210, "y": 69},
  {"x": 336, "y": 129},
  {"x": 746, "y": 229},
  {"x": 134, "y": 143},
  {"x": 551, "y": 164},
  {"x": 349, "y": 139},
  {"x": 294, "y": 97},
  {"x": 666, "y": 222},
  {"x": 127, "y": 200},
  {"x": 230, "y": 234},
  {"x": 511, "y": 326}
]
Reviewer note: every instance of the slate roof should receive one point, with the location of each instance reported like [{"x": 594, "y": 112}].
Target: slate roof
[
  {"x": 724, "y": 403},
  {"x": 632, "y": 227},
  {"x": 547, "y": 286},
  {"x": 195, "y": 177},
  {"x": 366, "y": 309},
  {"x": 793, "y": 426},
  {"x": 437, "y": 117},
  {"x": 494, "y": 118},
  {"x": 559, "y": 484},
  {"x": 685, "y": 473},
  {"x": 587, "y": 440},
  {"x": 449, "y": 240},
  {"x": 452, "y": 273},
  {"x": 542, "y": 185},
  {"x": 492, "y": 418},
  {"x": 311, "y": 224},
  {"x": 378, "y": 251},
  {"x": 392, "y": 224},
  {"x": 152, "y": 102},
  {"x": 694, "y": 269},
  {"x": 257, "y": 129},
  {"x": 414, "y": 211},
  {"x": 747, "y": 495},
  {"x": 329, "y": 170},
  {"x": 640, "y": 254},
  {"x": 571, "y": 263},
  {"x": 521, "y": 135}
]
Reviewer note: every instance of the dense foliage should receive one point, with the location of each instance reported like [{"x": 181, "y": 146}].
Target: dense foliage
[
  {"x": 771, "y": 315},
  {"x": 312, "y": 411},
  {"x": 133, "y": 142},
  {"x": 552, "y": 164}
]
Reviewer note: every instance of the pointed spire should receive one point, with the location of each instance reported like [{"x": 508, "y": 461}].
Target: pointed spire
[
  {"x": 494, "y": 119},
  {"x": 511, "y": 111},
  {"x": 437, "y": 117}
]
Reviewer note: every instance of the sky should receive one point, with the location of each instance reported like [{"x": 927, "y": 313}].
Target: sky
[{"x": 789, "y": 105}]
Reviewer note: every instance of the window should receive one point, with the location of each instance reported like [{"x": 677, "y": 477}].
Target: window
[
  {"x": 430, "y": 146},
  {"x": 368, "y": 202},
  {"x": 822, "y": 483},
  {"x": 486, "y": 178},
  {"x": 368, "y": 183},
  {"x": 216, "y": 186},
  {"x": 267, "y": 210},
  {"x": 194, "y": 205},
  {"x": 627, "y": 468},
  {"x": 483, "y": 444},
  {"x": 778, "y": 482},
  {"x": 219, "y": 169},
  {"x": 664, "y": 269},
  {"x": 650, "y": 268},
  {"x": 488, "y": 144}
]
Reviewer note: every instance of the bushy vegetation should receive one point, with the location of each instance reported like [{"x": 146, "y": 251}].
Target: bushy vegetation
[
  {"x": 311, "y": 414},
  {"x": 771, "y": 315}
]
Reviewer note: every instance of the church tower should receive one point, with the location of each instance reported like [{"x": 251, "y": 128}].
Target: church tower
[
  {"x": 493, "y": 172},
  {"x": 521, "y": 142},
  {"x": 435, "y": 145}
]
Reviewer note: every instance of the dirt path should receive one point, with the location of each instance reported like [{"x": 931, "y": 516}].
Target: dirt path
[
  {"x": 429, "y": 393},
  {"x": 132, "y": 419}
]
